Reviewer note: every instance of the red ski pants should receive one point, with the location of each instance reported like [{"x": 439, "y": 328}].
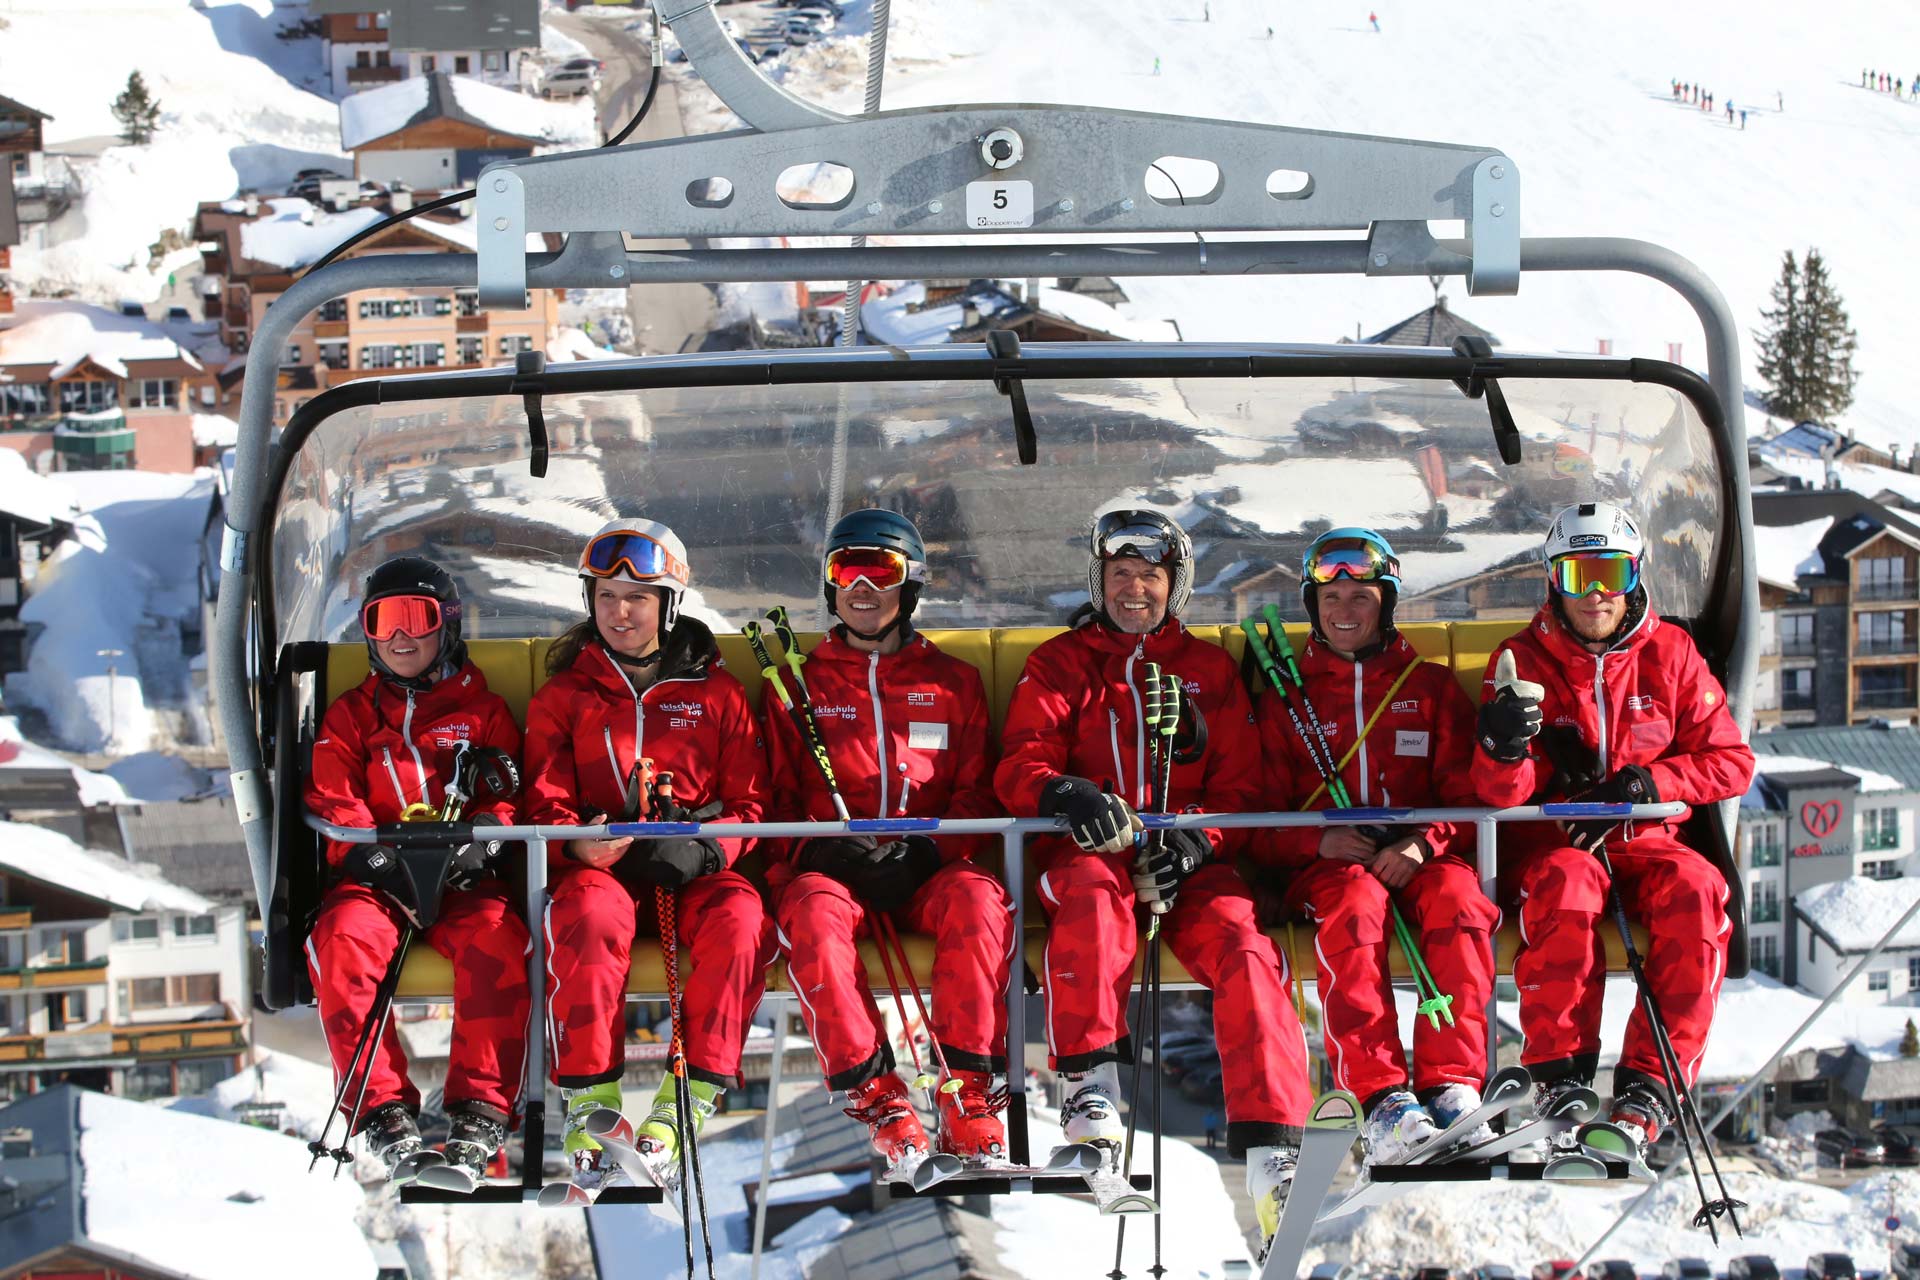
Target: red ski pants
[
  {"x": 1454, "y": 923},
  {"x": 590, "y": 924},
  {"x": 1561, "y": 972},
  {"x": 352, "y": 942},
  {"x": 971, "y": 920},
  {"x": 1212, "y": 931}
]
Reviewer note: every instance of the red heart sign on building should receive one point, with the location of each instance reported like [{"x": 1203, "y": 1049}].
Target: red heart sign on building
[{"x": 1820, "y": 819}]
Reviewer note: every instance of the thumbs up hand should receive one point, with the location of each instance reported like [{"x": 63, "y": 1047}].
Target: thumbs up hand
[{"x": 1511, "y": 718}]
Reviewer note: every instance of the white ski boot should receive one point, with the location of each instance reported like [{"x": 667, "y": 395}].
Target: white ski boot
[
  {"x": 1396, "y": 1128},
  {"x": 1269, "y": 1179},
  {"x": 593, "y": 1169},
  {"x": 1449, "y": 1104},
  {"x": 1091, "y": 1112}
]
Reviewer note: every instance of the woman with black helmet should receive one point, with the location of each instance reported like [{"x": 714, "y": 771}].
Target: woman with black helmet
[
  {"x": 386, "y": 747},
  {"x": 639, "y": 681},
  {"x": 905, "y": 727}
]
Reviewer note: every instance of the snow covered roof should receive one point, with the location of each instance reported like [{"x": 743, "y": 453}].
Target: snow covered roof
[
  {"x": 1855, "y": 912},
  {"x": 27, "y": 495},
  {"x": 63, "y": 334},
  {"x": 1783, "y": 553},
  {"x": 17, "y": 753},
  {"x": 215, "y": 431},
  {"x": 292, "y": 233},
  {"x": 1871, "y": 780},
  {"x": 380, "y": 113},
  {"x": 51, "y": 858}
]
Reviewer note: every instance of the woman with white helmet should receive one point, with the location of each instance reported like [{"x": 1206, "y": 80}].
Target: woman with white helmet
[
  {"x": 638, "y": 680},
  {"x": 1600, "y": 700}
]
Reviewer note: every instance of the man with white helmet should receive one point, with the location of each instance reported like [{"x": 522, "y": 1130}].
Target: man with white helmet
[
  {"x": 1600, "y": 700},
  {"x": 638, "y": 680},
  {"x": 1074, "y": 747}
]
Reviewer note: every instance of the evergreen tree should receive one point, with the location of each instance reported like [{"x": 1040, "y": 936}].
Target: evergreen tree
[
  {"x": 137, "y": 112},
  {"x": 1806, "y": 345},
  {"x": 1910, "y": 1043}
]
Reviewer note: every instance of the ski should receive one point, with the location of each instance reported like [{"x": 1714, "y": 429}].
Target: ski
[
  {"x": 565, "y": 1195},
  {"x": 1575, "y": 1166},
  {"x": 1115, "y": 1194},
  {"x": 1569, "y": 1110},
  {"x": 445, "y": 1176},
  {"x": 1507, "y": 1090},
  {"x": 1067, "y": 1161},
  {"x": 1330, "y": 1134},
  {"x": 1609, "y": 1141},
  {"x": 614, "y": 1132},
  {"x": 411, "y": 1167}
]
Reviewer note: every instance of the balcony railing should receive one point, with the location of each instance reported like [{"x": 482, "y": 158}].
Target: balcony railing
[
  {"x": 1798, "y": 702},
  {"x": 1897, "y": 590},
  {"x": 1885, "y": 699},
  {"x": 375, "y": 75},
  {"x": 167, "y": 1039},
  {"x": 1799, "y": 649},
  {"x": 1873, "y": 647},
  {"x": 47, "y": 977}
]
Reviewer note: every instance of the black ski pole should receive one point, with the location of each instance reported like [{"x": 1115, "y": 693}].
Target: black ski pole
[{"x": 1170, "y": 700}]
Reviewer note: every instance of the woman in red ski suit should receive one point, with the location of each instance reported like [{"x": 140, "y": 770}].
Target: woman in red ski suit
[
  {"x": 906, "y": 729},
  {"x": 639, "y": 679},
  {"x": 386, "y": 745},
  {"x": 1347, "y": 879},
  {"x": 1074, "y": 746},
  {"x": 1628, "y": 713}
]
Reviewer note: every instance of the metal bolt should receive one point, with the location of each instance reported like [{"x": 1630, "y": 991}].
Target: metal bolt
[
  {"x": 1065, "y": 206},
  {"x": 1127, "y": 204},
  {"x": 618, "y": 273},
  {"x": 873, "y": 209},
  {"x": 1379, "y": 259},
  {"x": 934, "y": 206},
  {"x": 1001, "y": 148},
  {"x": 499, "y": 224},
  {"x": 500, "y": 184},
  {"x": 1498, "y": 210},
  {"x": 1498, "y": 171}
]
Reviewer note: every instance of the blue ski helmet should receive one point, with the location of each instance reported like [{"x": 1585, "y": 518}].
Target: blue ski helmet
[
  {"x": 889, "y": 530},
  {"x": 1360, "y": 555}
]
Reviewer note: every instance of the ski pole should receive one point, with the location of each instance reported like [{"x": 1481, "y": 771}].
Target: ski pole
[
  {"x": 1170, "y": 701},
  {"x": 667, "y": 917},
  {"x": 948, "y": 1084},
  {"x": 809, "y": 731}
]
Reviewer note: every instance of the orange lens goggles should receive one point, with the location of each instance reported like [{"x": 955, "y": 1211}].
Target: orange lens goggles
[
  {"x": 881, "y": 568},
  {"x": 417, "y": 616}
]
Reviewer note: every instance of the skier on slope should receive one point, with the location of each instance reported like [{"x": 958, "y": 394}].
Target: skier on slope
[
  {"x": 385, "y": 746},
  {"x": 1074, "y": 747},
  {"x": 1404, "y": 729},
  {"x": 906, "y": 730},
  {"x": 638, "y": 678},
  {"x": 1630, "y": 714}
]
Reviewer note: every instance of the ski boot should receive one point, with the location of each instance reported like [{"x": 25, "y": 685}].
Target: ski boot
[
  {"x": 1397, "y": 1127},
  {"x": 1547, "y": 1095},
  {"x": 970, "y": 1125},
  {"x": 1641, "y": 1113},
  {"x": 1448, "y": 1103},
  {"x": 657, "y": 1139},
  {"x": 392, "y": 1135},
  {"x": 593, "y": 1170},
  {"x": 477, "y": 1132},
  {"x": 884, "y": 1106},
  {"x": 1269, "y": 1179},
  {"x": 1091, "y": 1112}
]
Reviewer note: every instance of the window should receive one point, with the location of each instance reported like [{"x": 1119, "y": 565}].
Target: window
[
  {"x": 467, "y": 302},
  {"x": 1913, "y": 973},
  {"x": 1766, "y": 902},
  {"x": 1883, "y": 869},
  {"x": 430, "y": 355},
  {"x": 89, "y": 397},
  {"x": 361, "y": 57},
  {"x": 67, "y": 1009},
  {"x": 462, "y": 64},
  {"x": 197, "y": 1075},
  {"x": 136, "y": 928},
  {"x": 140, "y": 995},
  {"x": 1796, "y": 689},
  {"x": 1764, "y": 953},
  {"x": 1879, "y": 829},
  {"x": 1885, "y": 688},
  {"x": 1796, "y": 635},
  {"x": 1808, "y": 1092},
  {"x": 514, "y": 344},
  {"x": 362, "y": 21},
  {"x": 382, "y": 58},
  {"x": 291, "y": 355},
  {"x": 377, "y": 356},
  {"x": 427, "y": 61},
  {"x": 194, "y": 988},
  {"x": 1763, "y": 845},
  {"x": 335, "y": 309},
  {"x": 149, "y": 1080},
  {"x": 472, "y": 350},
  {"x": 1878, "y": 979},
  {"x": 136, "y": 994},
  {"x": 380, "y": 20},
  {"x": 153, "y": 393},
  {"x": 334, "y": 355},
  {"x": 1883, "y": 633},
  {"x": 494, "y": 60},
  {"x": 194, "y": 926},
  {"x": 443, "y": 306},
  {"x": 24, "y": 399},
  {"x": 1882, "y": 578}
]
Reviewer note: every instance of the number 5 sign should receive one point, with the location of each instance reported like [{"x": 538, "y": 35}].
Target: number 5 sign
[{"x": 999, "y": 206}]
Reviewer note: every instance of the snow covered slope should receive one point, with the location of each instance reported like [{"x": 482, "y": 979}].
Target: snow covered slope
[{"x": 1577, "y": 94}]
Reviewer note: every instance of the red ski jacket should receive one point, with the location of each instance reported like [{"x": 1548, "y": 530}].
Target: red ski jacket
[
  {"x": 382, "y": 748},
  {"x": 906, "y": 733},
  {"x": 585, "y": 728},
  {"x": 1649, "y": 700},
  {"x": 1077, "y": 711},
  {"x": 1419, "y": 752}
]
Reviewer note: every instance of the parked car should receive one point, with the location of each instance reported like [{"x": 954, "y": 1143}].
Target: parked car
[
  {"x": 570, "y": 84},
  {"x": 1905, "y": 1262},
  {"x": 1431, "y": 1271},
  {"x": 1686, "y": 1269},
  {"x": 1612, "y": 1269},
  {"x": 583, "y": 64},
  {"x": 801, "y": 33},
  {"x": 1489, "y": 1271},
  {"x": 1752, "y": 1266},
  {"x": 1829, "y": 1266},
  {"x": 1558, "y": 1269},
  {"x": 821, "y": 20},
  {"x": 1901, "y": 1143},
  {"x": 1846, "y": 1147}
]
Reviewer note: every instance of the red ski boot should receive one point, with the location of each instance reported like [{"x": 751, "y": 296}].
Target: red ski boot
[
  {"x": 883, "y": 1105},
  {"x": 970, "y": 1125}
]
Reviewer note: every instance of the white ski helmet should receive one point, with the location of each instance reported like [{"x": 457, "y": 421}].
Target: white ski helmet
[
  {"x": 1594, "y": 526},
  {"x": 1145, "y": 534},
  {"x": 638, "y": 551}
]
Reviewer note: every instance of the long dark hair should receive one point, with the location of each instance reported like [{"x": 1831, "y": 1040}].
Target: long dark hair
[{"x": 572, "y": 642}]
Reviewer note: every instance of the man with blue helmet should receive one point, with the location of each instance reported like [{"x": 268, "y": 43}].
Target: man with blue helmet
[{"x": 1401, "y": 731}]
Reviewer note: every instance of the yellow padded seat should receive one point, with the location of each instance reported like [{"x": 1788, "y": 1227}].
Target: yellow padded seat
[
  {"x": 505, "y": 663},
  {"x": 1473, "y": 646}
]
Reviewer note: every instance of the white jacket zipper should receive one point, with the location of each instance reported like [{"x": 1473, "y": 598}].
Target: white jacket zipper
[
  {"x": 406, "y": 731},
  {"x": 400, "y": 792},
  {"x": 1113, "y": 740},
  {"x": 879, "y": 727},
  {"x": 1141, "y": 797},
  {"x": 1360, "y": 725},
  {"x": 613, "y": 761},
  {"x": 1600, "y": 704}
]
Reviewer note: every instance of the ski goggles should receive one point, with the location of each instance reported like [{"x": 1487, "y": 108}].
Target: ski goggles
[
  {"x": 388, "y": 616},
  {"x": 1611, "y": 573},
  {"x": 881, "y": 568},
  {"x": 1354, "y": 558},
  {"x": 1124, "y": 533},
  {"x": 634, "y": 554}
]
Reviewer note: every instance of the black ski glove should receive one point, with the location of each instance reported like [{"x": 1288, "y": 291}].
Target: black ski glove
[
  {"x": 1510, "y": 719},
  {"x": 677, "y": 861},
  {"x": 1100, "y": 821},
  {"x": 840, "y": 857},
  {"x": 890, "y": 875},
  {"x": 1158, "y": 876},
  {"x": 1629, "y": 785},
  {"x": 471, "y": 862},
  {"x": 377, "y": 866}
]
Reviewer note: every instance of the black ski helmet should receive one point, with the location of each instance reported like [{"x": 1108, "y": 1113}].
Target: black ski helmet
[
  {"x": 874, "y": 527},
  {"x": 414, "y": 576}
]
